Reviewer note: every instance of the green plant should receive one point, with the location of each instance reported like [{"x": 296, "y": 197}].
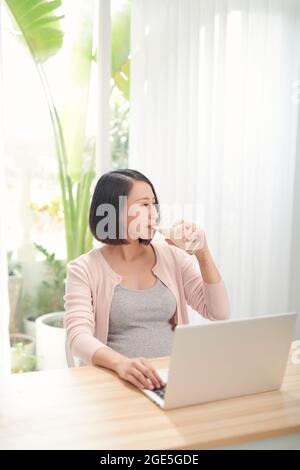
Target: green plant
[
  {"x": 58, "y": 266},
  {"x": 39, "y": 25},
  {"x": 48, "y": 295},
  {"x": 51, "y": 291},
  {"x": 21, "y": 361},
  {"x": 119, "y": 127},
  {"x": 121, "y": 49}
]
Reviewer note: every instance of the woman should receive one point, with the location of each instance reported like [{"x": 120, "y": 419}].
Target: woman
[{"x": 123, "y": 300}]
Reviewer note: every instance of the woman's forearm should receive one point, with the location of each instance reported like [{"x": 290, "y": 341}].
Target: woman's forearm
[
  {"x": 209, "y": 271},
  {"x": 107, "y": 357}
]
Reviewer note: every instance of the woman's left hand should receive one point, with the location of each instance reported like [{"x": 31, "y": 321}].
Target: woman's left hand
[{"x": 187, "y": 236}]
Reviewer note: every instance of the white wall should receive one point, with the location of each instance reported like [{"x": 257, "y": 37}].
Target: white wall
[{"x": 294, "y": 300}]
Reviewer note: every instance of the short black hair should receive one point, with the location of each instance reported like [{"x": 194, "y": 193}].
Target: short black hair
[{"x": 109, "y": 188}]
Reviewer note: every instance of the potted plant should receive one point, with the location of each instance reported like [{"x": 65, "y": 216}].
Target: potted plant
[
  {"x": 22, "y": 357},
  {"x": 47, "y": 297},
  {"x": 50, "y": 334},
  {"x": 39, "y": 27},
  {"x": 45, "y": 302}
]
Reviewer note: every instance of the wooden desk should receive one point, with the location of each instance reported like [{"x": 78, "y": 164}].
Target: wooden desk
[{"x": 92, "y": 408}]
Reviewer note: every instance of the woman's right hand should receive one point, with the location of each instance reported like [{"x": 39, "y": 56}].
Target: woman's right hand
[{"x": 139, "y": 372}]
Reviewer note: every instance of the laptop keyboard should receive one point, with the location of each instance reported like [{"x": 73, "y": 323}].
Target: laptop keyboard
[{"x": 160, "y": 391}]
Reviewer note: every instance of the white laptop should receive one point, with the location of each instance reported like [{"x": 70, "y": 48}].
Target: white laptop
[{"x": 225, "y": 359}]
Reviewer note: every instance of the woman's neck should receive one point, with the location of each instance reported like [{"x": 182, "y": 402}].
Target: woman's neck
[{"x": 130, "y": 252}]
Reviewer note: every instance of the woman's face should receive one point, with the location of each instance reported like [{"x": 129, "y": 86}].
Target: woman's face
[{"x": 141, "y": 211}]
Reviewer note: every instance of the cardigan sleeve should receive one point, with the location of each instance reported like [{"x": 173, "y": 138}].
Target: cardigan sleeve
[
  {"x": 210, "y": 300},
  {"x": 79, "y": 319}
]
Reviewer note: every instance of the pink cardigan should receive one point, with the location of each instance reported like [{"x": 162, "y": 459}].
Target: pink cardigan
[{"x": 89, "y": 289}]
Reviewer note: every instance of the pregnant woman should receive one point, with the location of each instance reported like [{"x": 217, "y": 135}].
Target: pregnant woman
[{"x": 124, "y": 299}]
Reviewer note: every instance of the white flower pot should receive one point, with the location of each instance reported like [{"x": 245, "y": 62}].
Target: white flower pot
[{"x": 50, "y": 342}]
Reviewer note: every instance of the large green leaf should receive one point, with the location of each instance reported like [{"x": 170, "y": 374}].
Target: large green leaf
[
  {"x": 121, "y": 49},
  {"x": 39, "y": 24},
  {"x": 76, "y": 95}
]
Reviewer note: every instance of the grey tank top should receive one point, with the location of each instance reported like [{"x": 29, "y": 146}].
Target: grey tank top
[{"x": 139, "y": 321}]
